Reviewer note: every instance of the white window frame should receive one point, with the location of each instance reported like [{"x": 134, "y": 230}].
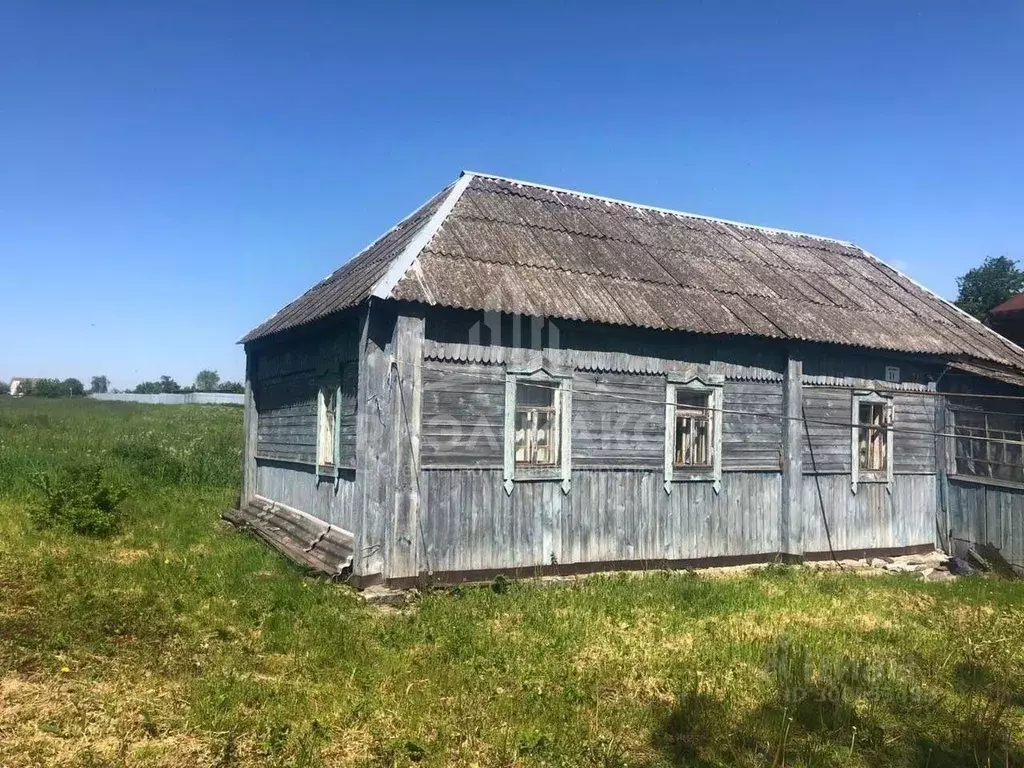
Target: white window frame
[
  {"x": 712, "y": 386},
  {"x": 327, "y": 469},
  {"x": 560, "y": 470},
  {"x": 857, "y": 475}
]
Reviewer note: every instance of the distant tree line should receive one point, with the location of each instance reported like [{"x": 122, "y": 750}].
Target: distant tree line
[
  {"x": 47, "y": 388},
  {"x": 206, "y": 381}
]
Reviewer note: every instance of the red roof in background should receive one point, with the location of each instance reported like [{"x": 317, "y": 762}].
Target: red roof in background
[{"x": 1011, "y": 305}]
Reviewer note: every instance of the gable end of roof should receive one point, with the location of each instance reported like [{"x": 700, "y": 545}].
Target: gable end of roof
[{"x": 404, "y": 261}]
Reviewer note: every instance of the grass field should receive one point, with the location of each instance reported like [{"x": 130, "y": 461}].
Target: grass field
[{"x": 179, "y": 643}]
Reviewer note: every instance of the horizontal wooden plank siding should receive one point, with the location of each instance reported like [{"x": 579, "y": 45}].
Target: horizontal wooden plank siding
[
  {"x": 827, "y": 415},
  {"x": 463, "y": 415},
  {"x": 470, "y": 523},
  {"x": 285, "y": 388},
  {"x": 286, "y": 416},
  {"x": 346, "y": 424},
  {"x": 982, "y": 514},
  {"x": 837, "y": 519},
  {"x": 618, "y": 420},
  {"x": 914, "y": 433},
  {"x": 333, "y": 501},
  {"x": 751, "y": 425}
]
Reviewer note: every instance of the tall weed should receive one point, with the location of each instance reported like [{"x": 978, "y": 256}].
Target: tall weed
[{"x": 79, "y": 498}]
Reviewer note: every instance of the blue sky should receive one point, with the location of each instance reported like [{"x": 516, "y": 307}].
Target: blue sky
[{"x": 171, "y": 173}]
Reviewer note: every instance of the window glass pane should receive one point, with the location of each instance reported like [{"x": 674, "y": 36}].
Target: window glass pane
[
  {"x": 536, "y": 424},
  {"x": 871, "y": 437},
  {"x": 692, "y": 399},
  {"x": 693, "y": 430},
  {"x": 535, "y": 395}
]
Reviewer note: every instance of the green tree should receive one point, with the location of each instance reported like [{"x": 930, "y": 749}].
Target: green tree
[
  {"x": 207, "y": 381},
  {"x": 168, "y": 385},
  {"x": 985, "y": 287},
  {"x": 48, "y": 388},
  {"x": 232, "y": 387},
  {"x": 99, "y": 385},
  {"x": 73, "y": 387},
  {"x": 5, "y": 388}
]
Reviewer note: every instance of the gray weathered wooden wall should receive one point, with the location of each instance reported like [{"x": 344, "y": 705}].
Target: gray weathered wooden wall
[
  {"x": 836, "y": 519},
  {"x": 330, "y": 499},
  {"x": 470, "y": 523},
  {"x": 828, "y": 414},
  {"x": 285, "y": 379},
  {"x": 826, "y": 430},
  {"x": 982, "y": 513},
  {"x": 984, "y": 510},
  {"x": 618, "y": 419},
  {"x": 426, "y": 493},
  {"x": 752, "y": 425}
]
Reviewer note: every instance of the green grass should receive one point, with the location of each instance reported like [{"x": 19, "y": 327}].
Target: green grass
[{"x": 180, "y": 643}]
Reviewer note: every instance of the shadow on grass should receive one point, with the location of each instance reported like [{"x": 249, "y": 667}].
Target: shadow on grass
[{"x": 841, "y": 713}]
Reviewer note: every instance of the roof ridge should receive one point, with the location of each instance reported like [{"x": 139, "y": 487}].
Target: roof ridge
[{"x": 659, "y": 209}]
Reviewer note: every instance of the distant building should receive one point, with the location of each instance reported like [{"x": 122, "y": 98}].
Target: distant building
[
  {"x": 1008, "y": 319},
  {"x": 18, "y": 384}
]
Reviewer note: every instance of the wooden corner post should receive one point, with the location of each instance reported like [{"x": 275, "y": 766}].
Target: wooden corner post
[
  {"x": 407, "y": 364},
  {"x": 250, "y": 421},
  {"x": 791, "y": 531},
  {"x": 387, "y": 443}
]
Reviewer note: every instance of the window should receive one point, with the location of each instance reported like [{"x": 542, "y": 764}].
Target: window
[
  {"x": 988, "y": 444},
  {"x": 538, "y": 418},
  {"x": 694, "y": 426},
  {"x": 871, "y": 439},
  {"x": 327, "y": 433},
  {"x": 693, "y": 430},
  {"x": 871, "y": 446},
  {"x": 537, "y": 424}
]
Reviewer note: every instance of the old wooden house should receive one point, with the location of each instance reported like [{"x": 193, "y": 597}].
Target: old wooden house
[{"x": 522, "y": 379}]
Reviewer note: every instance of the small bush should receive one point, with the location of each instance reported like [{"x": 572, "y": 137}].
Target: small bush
[{"x": 78, "y": 498}]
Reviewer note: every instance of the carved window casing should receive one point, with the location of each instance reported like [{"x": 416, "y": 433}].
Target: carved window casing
[
  {"x": 693, "y": 430},
  {"x": 538, "y": 427},
  {"x": 871, "y": 434}
]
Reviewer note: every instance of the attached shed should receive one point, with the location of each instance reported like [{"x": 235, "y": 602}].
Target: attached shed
[{"x": 522, "y": 379}]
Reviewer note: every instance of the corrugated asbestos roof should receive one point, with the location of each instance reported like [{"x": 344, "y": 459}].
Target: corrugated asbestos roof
[{"x": 489, "y": 243}]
